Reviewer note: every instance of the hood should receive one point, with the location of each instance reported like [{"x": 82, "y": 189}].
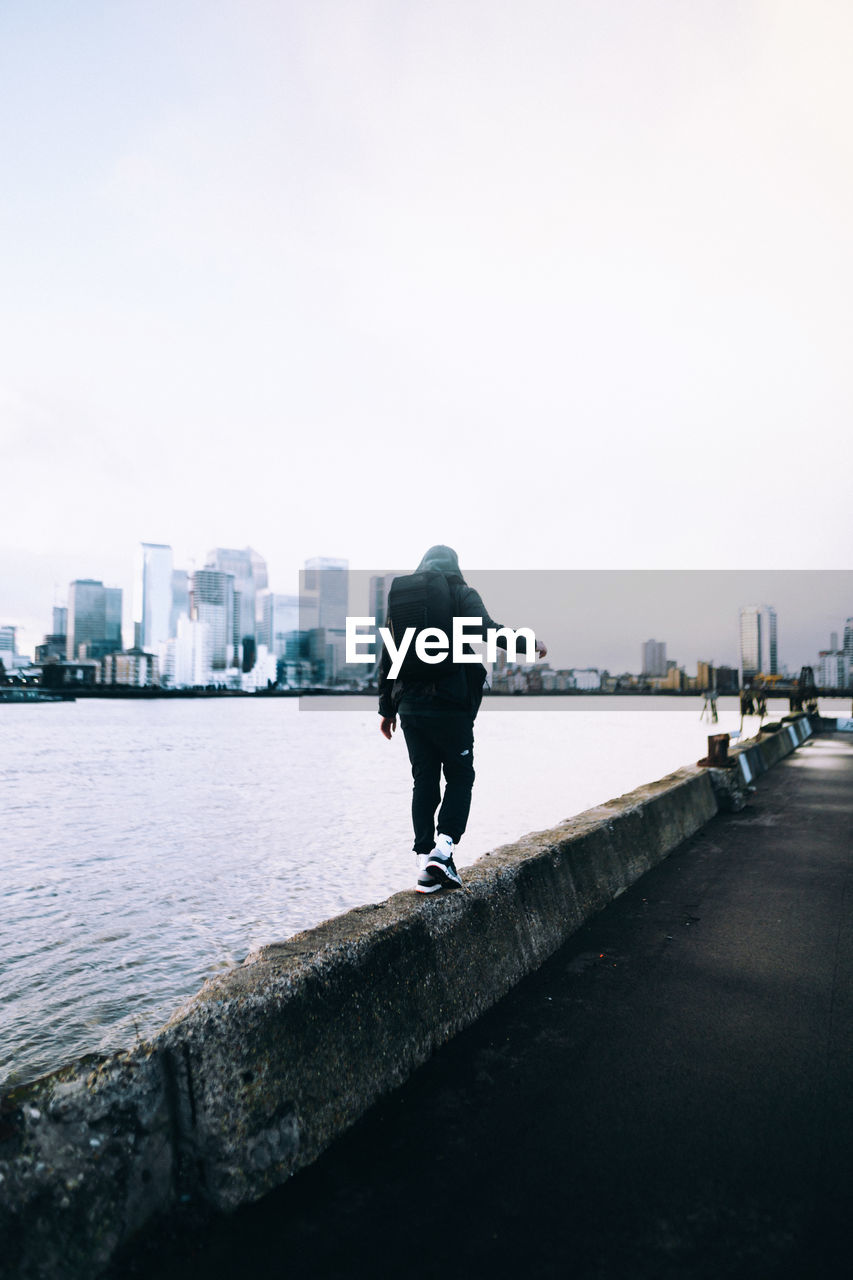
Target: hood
[{"x": 443, "y": 558}]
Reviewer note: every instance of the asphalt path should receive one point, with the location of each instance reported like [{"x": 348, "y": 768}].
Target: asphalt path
[{"x": 670, "y": 1097}]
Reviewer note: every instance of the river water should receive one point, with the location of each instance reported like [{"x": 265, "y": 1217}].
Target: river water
[{"x": 147, "y": 845}]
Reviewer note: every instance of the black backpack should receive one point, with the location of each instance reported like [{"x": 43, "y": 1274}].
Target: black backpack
[{"x": 421, "y": 600}]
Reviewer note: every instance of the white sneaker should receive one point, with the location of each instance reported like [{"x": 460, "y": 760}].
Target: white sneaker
[
  {"x": 427, "y": 883},
  {"x": 440, "y": 864}
]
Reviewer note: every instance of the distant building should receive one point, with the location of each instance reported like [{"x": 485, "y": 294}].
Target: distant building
[
  {"x": 112, "y": 617},
  {"x": 279, "y": 619},
  {"x": 329, "y": 579},
  {"x": 535, "y": 676},
  {"x": 625, "y": 680},
  {"x": 132, "y": 668},
  {"x": 154, "y": 594},
  {"x": 94, "y": 619},
  {"x": 180, "y": 599},
  {"x": 260, "y": 573},
  {"x": 55, "y": 645},
  {"x": 377, "y": 605},
  {"x": 653, "y": 658},
  {"x": 705, "y": 675},
  {"x": 321, "y": 656},
  {"x": 324, "y": 587},
  {"x": 264, "y": 673},
  {"x": 309, "y": 607},
  {"x": 186, "y": 660},
  {"x": 84, "y": 673},
  {"x": 673, "y": 680},
  {"x": 249, "y": 571},
  {"x": 212, "y": 602},
  {"x": 53, "y": 649},
  {"x": 750, "y": 640},
  {"x": 758, "y": 641},
  {"x": 9, "y": 656},
  {"x": 848, "y": 641},
  {"x": 772, "y": 639},
  {"x": 293, "y": 674},
  {"x": 833, "y": 670},
  {"x": 87, "y": 620},
  {"x": 727, "y": 680},
  {"x": 586, "y": 678},
  {"x": 378, "y": 589},
  {"x": 298, "y": 647}
]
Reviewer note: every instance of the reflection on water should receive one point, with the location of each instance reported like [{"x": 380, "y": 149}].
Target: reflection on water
[{"x": 147, "y": 845}]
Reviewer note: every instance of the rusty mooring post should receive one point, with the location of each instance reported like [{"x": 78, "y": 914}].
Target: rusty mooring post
[{"x": 718, "y": 751}]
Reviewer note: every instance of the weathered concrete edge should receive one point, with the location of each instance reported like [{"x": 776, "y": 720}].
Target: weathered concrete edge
[{"x": 257, "y": 1074}]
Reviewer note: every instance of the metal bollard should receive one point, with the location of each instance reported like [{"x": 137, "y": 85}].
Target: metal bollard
[{"x": 718, "y": 751}]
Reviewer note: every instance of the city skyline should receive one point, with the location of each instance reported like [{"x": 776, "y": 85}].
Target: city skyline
[{"x": 696, "y": 614}]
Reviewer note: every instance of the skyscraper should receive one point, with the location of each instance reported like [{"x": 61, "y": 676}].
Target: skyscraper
[
  {"x": 212, "y": 601},
  {"x": 94, "y": 619},
  {"x": 56, "y": 644},
  {"x": 112, "y": 618},
  {"x": 772, "y": 646},
  {"x": 654, "y": 658},
  {"x": 154, "y": 594},
  {"x": 325, "y": 584},
  {"x": 249, "y": 571},
  {"x": 378, "y": 598},
  {"x": 759, "y": 640},
  {"x": 86, "y": 614},
  {"x": 848, "y": 640},
  {"x": 180, "y": 599},
  {"x": 279, "y": 619},
  {"x": 259, "y": 570},
  {"x": 832, "y": 670},
  {"x": 329, "y": 577},
  {"x": 192, "y": 653},
  {"x": 750, "y": 640}
]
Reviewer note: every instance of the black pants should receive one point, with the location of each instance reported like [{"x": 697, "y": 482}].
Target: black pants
[{"x": 436, "y": 742}]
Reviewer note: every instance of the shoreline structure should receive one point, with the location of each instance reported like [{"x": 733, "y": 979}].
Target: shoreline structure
[
  {"x": 70, "y": 693},
  {"x": 252, "y": 1078}
]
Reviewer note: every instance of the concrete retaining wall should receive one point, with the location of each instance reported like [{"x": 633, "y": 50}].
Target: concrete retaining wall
[
  {"x": 258, "y": 1073},
  {"x": 760, "y": 754}
]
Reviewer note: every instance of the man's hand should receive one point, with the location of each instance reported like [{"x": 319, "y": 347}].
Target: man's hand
[
  {"x": 388, "y": 725},
  {"x": 541, "y": 650}
]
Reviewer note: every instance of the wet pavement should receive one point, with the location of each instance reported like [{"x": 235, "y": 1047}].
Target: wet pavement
[{"x": 670, "y": 1097}]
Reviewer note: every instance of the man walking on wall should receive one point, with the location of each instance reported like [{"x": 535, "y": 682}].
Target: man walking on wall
[{"x": 437, "y": 707}]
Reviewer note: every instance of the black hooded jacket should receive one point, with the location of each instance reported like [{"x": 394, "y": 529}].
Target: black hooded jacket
[{"x": 459, "y": 688}]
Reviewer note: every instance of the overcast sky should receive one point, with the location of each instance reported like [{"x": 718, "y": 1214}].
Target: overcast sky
[{"x": 563, "y": 284}]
